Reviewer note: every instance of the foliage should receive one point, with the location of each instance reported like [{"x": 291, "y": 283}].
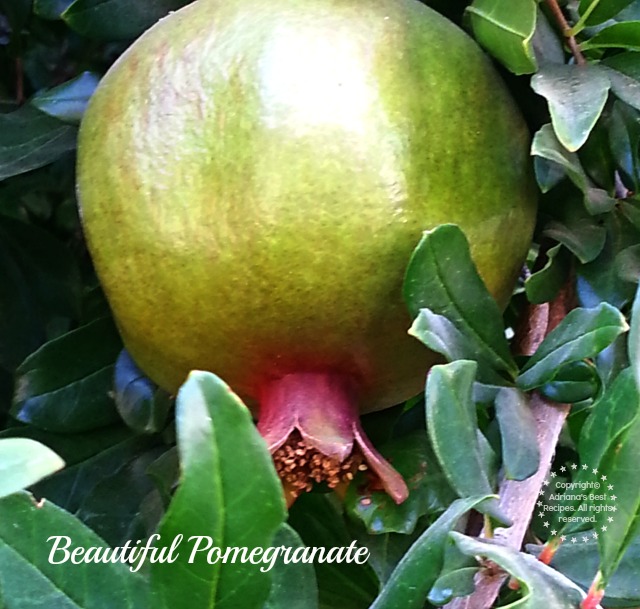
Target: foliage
[{"x": 574, "y": 70}]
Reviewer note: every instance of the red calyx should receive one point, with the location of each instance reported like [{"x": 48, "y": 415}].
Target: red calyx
[{"x": 311, "y": 423}]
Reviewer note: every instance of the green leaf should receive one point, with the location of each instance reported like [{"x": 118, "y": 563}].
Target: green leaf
[
  {"x": 442, "y": 336},
  {"x": 603, "y": 11},
  {"x": 543, "y": 285},
  {"x": 547, "y": 146},
  {"x": 506, "y": 29},
  {"x": 624, "y": 35},
  {"x": 620, "y": 464},
  {"x": 441, "y": 277},
  {"x": 576, "y": 96},
  {"x": 293, "y": 585},
  {"x": 229, "y": 492},
  {"x": 30, "y": 139},
  {"x": 27, "y": 576},
  {"x": 582, "y": 333},
  {"x": 452, "y": 424},
  {"x": 23, "y": 462},
  {"x": 50, "y": 9},
  {"x": 68, "y": 101},
  {"x": 429, "y": 490},
  {"x": 64, "y": 386},
  {"x": 611, "y": 415},
  {"x": 634, "y": 338},
  {"x": 417, "y": 572},
  {"x": 117, "y": 19},
  {"x": 541, "y": 585},
  {"x": 518, "y": 430}
]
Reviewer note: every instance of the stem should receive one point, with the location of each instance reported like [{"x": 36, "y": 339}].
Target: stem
[
  {"x": 578, "y": 27},
  {"x": 518, "y": 499},
  {"x": 567, "y": 32}
]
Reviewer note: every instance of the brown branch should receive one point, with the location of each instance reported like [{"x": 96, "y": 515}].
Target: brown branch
[
  {"x": 566, "y": 32},
  {"x": 517, "y": 499}
]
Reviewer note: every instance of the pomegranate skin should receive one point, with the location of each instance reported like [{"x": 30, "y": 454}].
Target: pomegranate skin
[{"x": 254, "y": 174}]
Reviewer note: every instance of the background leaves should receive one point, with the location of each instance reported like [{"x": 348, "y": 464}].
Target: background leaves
[{"x": 58, "y": 347}]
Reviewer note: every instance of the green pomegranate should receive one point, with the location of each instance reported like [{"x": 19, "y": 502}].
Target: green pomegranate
[{"x": 253, "y": 177}]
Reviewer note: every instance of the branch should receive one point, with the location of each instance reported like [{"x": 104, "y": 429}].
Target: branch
[
  {"x": 518, "y": 499},
  {"x": 567, "y": 32}
]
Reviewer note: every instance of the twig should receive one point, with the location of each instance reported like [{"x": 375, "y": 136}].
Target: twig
[
  {"x": 518, "y": 499},
  {"x": 567, "y": 32}
]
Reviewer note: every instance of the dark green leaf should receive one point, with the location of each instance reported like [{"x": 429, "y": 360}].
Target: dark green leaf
[
  {"x": 627, "y": 264},
  {"x": 429, "y": 489},
  {"x": 74, "y": 485},
  {"x": 229, "y": 492},
  {"x": 584, "y": 236},
  {"x": 580, "y": 563},
  {"x": 136, "y": 513},
  {"x": 541, "y": 585},
  {"x": 547, "y": 47},
  {"x": 506, "y": 29},
  {"x": 40, "y": 281},
  {"x": 543, "y": 285},
  {"x": 582, "y": 333},
  {"x": 117, "y": 19},
  {"x": 625, "y": 87},
  {"x": 23, "y": 462},
  {"x": 452, "y": 424},
  {"x": 576, "y": 97},
  {"x": 27, "y": 576},
  {"x": 293, "y": 585},
  {"x": 141, "y": 404},
  {"x": 518, "y": 429},
  {"x": 50, "y": 9},
  {"x": 599, "y": 280},
  {"x": 68, "y": 101},
  {"x": 574, "y": 383},
  {"x": 441, "y": 277},
  {"x": 418, "y": 570},
  {"x": 65, "y": 386},
  {"x": 30, "y": 139},
  {"x": 164, "y": 472},
  {"x": 452, "y": 585},
  {"x": 319, "y": 522},
  {"x": 603, "y": 11},
  {"x": 624, "y": 141},
  {"x": 547, "y": 146},
  {"x": 624, "y": 35}
]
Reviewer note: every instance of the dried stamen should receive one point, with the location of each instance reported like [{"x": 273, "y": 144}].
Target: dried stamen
[{"x": 301, "y": 466}]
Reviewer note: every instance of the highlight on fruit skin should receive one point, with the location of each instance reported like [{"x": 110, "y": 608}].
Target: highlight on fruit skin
[{"x": 253, "y": 177}]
